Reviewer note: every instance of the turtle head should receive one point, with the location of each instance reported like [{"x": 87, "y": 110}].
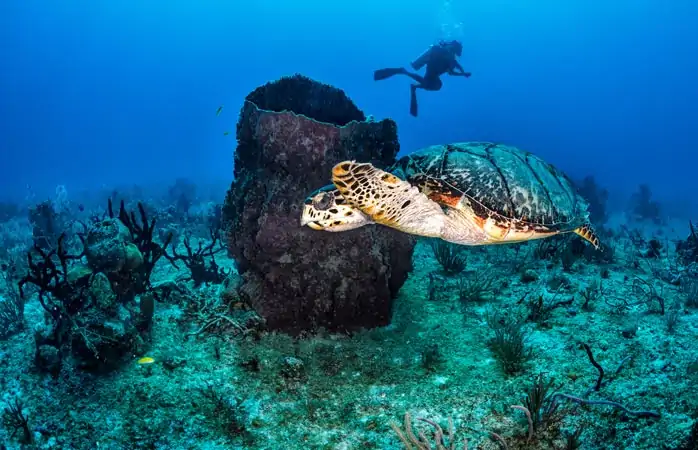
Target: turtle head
[{"x": 326, "y": 209}]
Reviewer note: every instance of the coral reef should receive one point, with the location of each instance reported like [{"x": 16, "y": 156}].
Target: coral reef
[
  {"x": 527, "y": 346},
  {"x": 195, "y": 260},
  {"x": 182, "y": 195},
  {"x": 687, "y": 249},
  {"x": 140, "y": 251},
  {"x": 296, "y": 278},
  {"x": 45, "y": 225},
  {"x": 597, "y": 198},
  {"x": 306, "y": 97},
  {"x": 643, "y": 206},
  {"x": 92, "y": 310}
]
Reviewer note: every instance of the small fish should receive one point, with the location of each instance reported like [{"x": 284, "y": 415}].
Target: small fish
[
  {"x": 225, "y": 133},
  {"x": 146, "y": 360},
  {"x": 219, "y": 110}
]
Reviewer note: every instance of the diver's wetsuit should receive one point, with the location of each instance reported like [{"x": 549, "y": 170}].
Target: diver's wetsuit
[{"x": 440, "y": 59}]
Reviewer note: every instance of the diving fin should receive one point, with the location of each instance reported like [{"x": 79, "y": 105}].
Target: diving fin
[
  {"x": 413, "y": 100},
  {"x": 383, "y": 74}
]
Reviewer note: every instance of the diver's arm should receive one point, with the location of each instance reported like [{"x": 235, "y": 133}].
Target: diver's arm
[{"x": 462, "y": 72}]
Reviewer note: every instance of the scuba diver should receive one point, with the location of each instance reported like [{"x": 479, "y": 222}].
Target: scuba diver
[{"x": 439, "y": 59}]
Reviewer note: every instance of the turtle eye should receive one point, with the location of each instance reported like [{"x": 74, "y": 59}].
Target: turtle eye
[{"x": 323, "y": 201}]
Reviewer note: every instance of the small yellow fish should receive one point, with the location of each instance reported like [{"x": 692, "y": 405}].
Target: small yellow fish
[
  {"x": 225, "y": 133},
  {"x": 219, "y": 110},
  {"x": 146, "y": 360}
]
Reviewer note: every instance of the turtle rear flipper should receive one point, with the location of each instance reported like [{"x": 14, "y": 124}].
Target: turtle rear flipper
[
  {"x": 587, "y": 233},
  {"x": 387, "y": 199}
]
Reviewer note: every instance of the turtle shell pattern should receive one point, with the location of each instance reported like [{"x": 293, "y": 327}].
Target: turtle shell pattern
[{"x": 515, "y": 189}]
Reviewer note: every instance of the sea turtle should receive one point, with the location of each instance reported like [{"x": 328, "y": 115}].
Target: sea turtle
[{"x": 472, "y": 193}]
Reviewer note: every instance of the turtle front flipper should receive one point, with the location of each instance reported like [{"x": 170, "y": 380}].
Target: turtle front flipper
[
  {"x": 387, "y": 199},
  {"x": 587, "y": 233}
]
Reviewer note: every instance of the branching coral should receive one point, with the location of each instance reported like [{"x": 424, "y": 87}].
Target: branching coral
[
  {"x": 584, "y": 400},
  {"x": 510, "y": 342},
  {"x": 195, "y": 260},
  {"x": 217, "y": 316},
  {"x": 591, "y": 294},
  {"x": 16, "y": 420},
  {"x": 450, "y": 256},
  {"x": 95, "y": 316},
  {"x": 646, "y": 294},
  {"x": 540, "y": 410},
  {"x": 138, "y": 281},
  {"x": 541, "y": 310},
  {"x": 59, "y": 294},
  {"x": 478, "y": 288},
  {"x": 550, "y": 248},
  {"x": 442, "y": 440}
]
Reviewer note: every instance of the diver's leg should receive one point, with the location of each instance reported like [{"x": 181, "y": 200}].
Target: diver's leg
[
  {"x": 426, "y": 83},
  {"x": 431, "y": 83},
  {"x": 416, "y": 77},
  {"x": 413, "y": 99}
]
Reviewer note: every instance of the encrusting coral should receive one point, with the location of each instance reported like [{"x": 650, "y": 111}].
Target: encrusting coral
[{"x": 290, "y": 133}]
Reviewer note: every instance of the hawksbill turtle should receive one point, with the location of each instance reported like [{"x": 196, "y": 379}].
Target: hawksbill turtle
[{"x": 472, "y": 193}]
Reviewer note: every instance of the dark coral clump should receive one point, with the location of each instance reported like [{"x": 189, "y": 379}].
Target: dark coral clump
[
  {"x": 290, "y": 135},
  {"x": 182, "y": 195},
  {"x": 687, "y": 249},
  {"x": 201, "y": 261},
  {"x": 653, "y": 250},
  {"x": 93, "y": 311},
  {"x": 597, "y": 198},
  {"x": 643, "y": 206},
  {"x": 16, "y": 420},
  {"x": 305, "y": 96},
  {"x": 142, "y": 251},
  {"x": 60, "y": 291},
  {"x": 45, "y": 225}
]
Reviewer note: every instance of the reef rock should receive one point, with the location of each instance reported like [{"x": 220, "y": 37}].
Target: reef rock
[
  {"x": 290, "y": 134},
  {"x": 108, "y": 247}
]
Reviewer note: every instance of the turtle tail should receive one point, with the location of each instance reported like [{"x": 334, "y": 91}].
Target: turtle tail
[{"x": 587, "y": 233}]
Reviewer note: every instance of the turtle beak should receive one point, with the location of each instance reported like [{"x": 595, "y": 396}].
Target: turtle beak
[{"x": 307, "y": 218}]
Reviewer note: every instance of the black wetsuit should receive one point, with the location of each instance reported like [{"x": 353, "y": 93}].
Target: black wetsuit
[{"x": 441, "y": 60}]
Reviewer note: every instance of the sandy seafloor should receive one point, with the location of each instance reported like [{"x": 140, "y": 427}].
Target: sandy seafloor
[{"x": 219, "y": 390}]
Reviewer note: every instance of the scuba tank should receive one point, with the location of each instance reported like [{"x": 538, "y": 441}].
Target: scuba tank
[{"x": 422, "y": 59}]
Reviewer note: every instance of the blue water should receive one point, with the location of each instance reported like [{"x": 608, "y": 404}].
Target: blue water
[
  {"x": 110, "y": 93},
  {"x": 96, "y": 96}
]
